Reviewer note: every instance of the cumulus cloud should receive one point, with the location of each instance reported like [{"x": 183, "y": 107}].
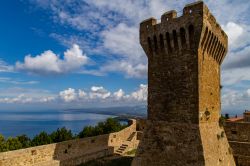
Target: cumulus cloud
[
  {"x": 236, "y": 100},
  {"x": 119, "y": 94},
  {"x": 141, "y": 94},
  {"x": 68, "y": 95},
  {"x": 50, "y": 63},
  {"x": 112, "y": 27},
  {"x": 99, "y": 92},
  {"x": 23, "y": 96},
  {"x": 233, "y": 30}
]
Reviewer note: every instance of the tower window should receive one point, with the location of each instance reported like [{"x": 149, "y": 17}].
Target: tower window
[
  {"x": 183, "y": 37},
  {"x": 149, "y": 44},
  {"x": 155, "y": 43},
  {"x": 161, "y": 42},
  {"x": 191, "y": 35},
  {"x": 168, "y": 42},
  {"x": 175, "y": 40}
]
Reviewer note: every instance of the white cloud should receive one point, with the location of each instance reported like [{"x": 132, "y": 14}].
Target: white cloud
[
  {"x": 99, "y": 92},
  {"x": 236, "y": 100},
  {"x": 17, "y": 82},
  {"x": 131, "y": 70},
  {"x": 119, "y": 94},
  {"x": 233, "y": 30},
  {"x": 50, "y": 63},
  {"x": 93, "y": 97},
  {"x": 82, "y": 93},
  {"x": 4, "y": 67},
  {"x": 114, "y": 27},
  {"x": 236, "y": 67},
  {"x": 141, "y": 94},
  {"x": 68, "y": 95}
]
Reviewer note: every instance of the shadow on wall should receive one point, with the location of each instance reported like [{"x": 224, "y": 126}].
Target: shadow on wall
[
  {"x": 76, "y": 152},
  {"x": 79, "y": 151},
  {"x": 70, "y": 153}
]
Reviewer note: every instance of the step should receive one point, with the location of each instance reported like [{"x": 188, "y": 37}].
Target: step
[
  {"x": 118, "y": 151},
  {"x": 121, "y": 149}
]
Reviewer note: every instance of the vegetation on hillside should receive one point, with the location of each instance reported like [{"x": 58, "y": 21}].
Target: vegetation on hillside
[{"x": 61, "y": 134}]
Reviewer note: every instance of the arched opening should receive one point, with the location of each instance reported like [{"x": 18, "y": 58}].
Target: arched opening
[
  {"x": 155, "y": 43},
  {"x": 176, "y": 47},
  {"x": 204, "y": 38},
  {"x": 149, "y": 44},
  {"x": 168, "y": 42},
  {"x": 191, "y": 35},
  {"x": 183, "y": 38},
  {"x": 161, "y": 42}
]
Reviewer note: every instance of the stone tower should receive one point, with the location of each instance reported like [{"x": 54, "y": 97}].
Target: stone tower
[{"x": 184, "y": 57}]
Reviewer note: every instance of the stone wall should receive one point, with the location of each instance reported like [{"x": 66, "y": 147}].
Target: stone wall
[
  {"x": 70, "y": 153},
  {"x": 238, "y": 134}
]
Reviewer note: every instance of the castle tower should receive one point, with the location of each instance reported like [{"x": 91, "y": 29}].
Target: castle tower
[{"x": 184, "y": 57}]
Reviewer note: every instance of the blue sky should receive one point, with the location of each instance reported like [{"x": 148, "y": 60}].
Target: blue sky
[{"x": 58, "y": 54}]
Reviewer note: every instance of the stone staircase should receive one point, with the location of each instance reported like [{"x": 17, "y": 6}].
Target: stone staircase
[
  {"x": 122, "y": 149},
  {"x": 125, "y": 146}
]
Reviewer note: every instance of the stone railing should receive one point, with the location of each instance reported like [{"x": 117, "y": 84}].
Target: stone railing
[{"x": 69, "y": 153}]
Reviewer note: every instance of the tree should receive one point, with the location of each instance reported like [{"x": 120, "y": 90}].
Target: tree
[
  {"x": 13, "y": 143},
  {"x": 109, "y": 126},
  {"x": 41, "y": 139},
  {"x": 61, "y": 135},
  {"x": 24, "y": 140},
  {"x": 87, "y": 131},
  {"x": 3, "y": 146}
]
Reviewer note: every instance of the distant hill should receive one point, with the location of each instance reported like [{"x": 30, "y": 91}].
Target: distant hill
[{"x": 130, "y": 111}]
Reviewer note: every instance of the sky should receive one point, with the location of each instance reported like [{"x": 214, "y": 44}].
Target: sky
[{"x": 60, "y": 54}]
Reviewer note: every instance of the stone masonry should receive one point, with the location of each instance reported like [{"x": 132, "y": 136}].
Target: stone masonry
[
  {"x": 184, "y": 57},
  {"x": 238, "y": 134},
  {"x": 73, "y": 152}
]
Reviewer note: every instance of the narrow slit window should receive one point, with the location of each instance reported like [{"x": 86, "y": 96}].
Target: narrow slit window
[
  {"x": 168, "y": 42},
  {"x": 155, "y": 43},
  {"x": 183, "y": 38},
  {"x": 161, "y": 42},
  {"x": 149, "y": 44},
  {"x": 175, "y": 40},
  {"x": 191, "y": 35}
]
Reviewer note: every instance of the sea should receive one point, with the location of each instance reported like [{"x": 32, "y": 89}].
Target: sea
[{"x": 14, "y": 123}]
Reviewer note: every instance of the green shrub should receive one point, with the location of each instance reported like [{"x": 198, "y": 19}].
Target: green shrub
[
  {"x": 41, "y": 139},
  {"x": 109, "y": 126},
  {"x": 61, "y": 135},
  {"x": 24, "y": 140}
]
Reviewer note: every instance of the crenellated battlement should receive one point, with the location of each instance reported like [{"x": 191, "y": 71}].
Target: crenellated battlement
[
  {"x": 184, "y": 58},
  {"x": 177, "y": 34}
]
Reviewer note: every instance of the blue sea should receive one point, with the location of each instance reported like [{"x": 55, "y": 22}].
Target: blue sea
[{"x": 13, "y": 123}]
